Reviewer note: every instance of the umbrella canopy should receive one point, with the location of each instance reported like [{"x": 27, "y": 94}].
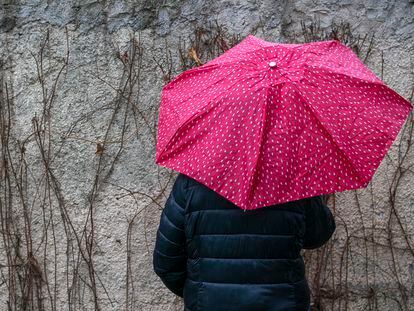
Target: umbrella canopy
[{"x": 266, "y": 123}]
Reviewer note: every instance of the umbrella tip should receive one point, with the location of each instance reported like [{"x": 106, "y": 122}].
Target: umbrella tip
[{"x": 272, "y": 64}]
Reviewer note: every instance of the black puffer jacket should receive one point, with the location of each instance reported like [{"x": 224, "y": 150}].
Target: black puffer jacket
[{"x": 220, "y": 257}]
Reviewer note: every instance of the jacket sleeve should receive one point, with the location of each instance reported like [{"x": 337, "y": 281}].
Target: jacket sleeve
[
  {"x": 169, "y": 256},
  {"x": 320, "y": 223}
]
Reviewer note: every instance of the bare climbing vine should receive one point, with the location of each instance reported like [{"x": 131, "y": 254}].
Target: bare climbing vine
[{"x": 39, "y": 225}]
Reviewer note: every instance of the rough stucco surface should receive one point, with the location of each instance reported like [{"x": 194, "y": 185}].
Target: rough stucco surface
[{"x": 92, "y": 28}]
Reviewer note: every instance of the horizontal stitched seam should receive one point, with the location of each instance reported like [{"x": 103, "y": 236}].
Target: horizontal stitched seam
[
  {"x": 173, "y": 199},
  {"x": 255, "y": 234},
  {"x": 246, "y": 284},
  {"x": 165, "y": 255},
  {"x": 286, "y": 259},
  {"x": 172, "y": 242},
  {"x": 189, "y": 187},
  {"x": 276, "y": 209},
  {"x": 166, "y": 216}
]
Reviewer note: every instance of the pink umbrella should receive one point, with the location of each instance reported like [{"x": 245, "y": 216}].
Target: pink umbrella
[{"x": 266, "y": 123}]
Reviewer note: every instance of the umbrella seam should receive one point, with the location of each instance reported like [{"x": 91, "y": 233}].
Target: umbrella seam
[
  {"x": 332, "y": 70},
  {"x": 330, "y": 135},
  {"x": 253, "y": 174},
  {"x": 380, "y": 83}
]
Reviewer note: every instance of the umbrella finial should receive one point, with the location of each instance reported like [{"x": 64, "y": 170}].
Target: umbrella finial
[{"x": 272, "y": 64}]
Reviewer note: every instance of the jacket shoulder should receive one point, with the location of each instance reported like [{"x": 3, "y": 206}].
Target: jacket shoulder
[
  {"x": 183, "y": 181},
  {"x": 179, "y": 189}
]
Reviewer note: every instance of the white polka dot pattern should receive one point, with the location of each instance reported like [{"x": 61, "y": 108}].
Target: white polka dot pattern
[{"x": 266, "y": 123}]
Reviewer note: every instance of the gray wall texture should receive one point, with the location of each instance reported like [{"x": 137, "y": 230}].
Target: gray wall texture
[{"x": 81, "y": 196}]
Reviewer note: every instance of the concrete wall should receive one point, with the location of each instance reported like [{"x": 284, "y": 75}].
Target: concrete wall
[{"x": 78, "y": 221}]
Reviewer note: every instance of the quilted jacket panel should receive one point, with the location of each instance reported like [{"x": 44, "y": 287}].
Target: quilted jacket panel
[{"x": 220, "y": 257}]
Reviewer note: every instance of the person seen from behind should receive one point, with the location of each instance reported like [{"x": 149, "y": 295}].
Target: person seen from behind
[{"x": 218, "y": 257}]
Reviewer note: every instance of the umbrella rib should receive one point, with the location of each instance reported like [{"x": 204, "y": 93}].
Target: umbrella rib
[
  {"x": 333, "y": 71},
  {"x": 356, "y": 173},
  {"x": 262, "y": 131},
  {"x": 380, "y": 82}
]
